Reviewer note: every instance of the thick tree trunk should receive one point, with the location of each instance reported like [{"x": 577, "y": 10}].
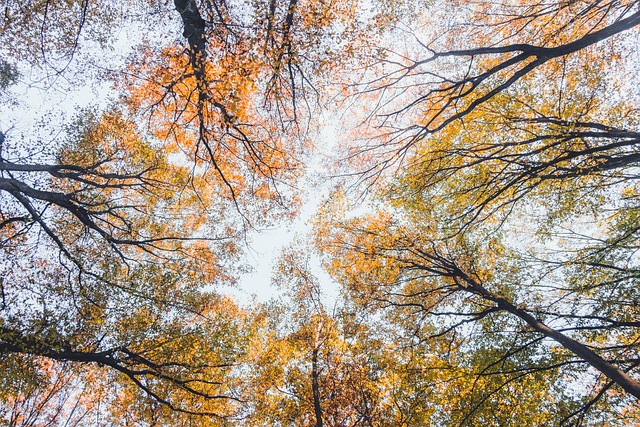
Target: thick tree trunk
[
  {"x": 194, "y": 31},
  {"x": 194, "y": 26}
]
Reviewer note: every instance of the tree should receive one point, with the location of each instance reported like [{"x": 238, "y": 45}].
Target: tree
[
  {"x": 49, "y": 36},
  {"x": 319, "y": 368},
  {"x": 112, "y": 232},
  {"x": 38, "y": 393},
  {"x": 509, "y": 51},
  {"x": 485, "y": 320},
  {"x": 124, "y": 291},
  {"x": 511, "y": 220}
]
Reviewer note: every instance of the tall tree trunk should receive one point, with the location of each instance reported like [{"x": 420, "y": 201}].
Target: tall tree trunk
[{"x": 315, "y": 382}]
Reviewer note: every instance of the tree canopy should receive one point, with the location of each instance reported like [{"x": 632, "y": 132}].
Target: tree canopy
[{"x": 475, "y": 262}]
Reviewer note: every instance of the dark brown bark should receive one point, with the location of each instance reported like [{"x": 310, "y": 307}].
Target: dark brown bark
[
  {"x": 624, "y": 380},
  {"x": 142, "y": 371},
  {"x": 194, "y": 31},
  {"x": 315, "y": 386}
]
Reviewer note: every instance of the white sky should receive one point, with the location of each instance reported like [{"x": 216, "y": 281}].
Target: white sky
[{"x": 266, "y": 246}]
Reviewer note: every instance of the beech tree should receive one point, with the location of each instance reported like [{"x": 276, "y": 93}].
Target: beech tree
[
  {"x": 116, "y": 227},
  {"x": 509, "y": 225},
  {"x": 320, "y": 367},
  {"x": 123, "y": 290},
  {"x": 509, "y": 52}
]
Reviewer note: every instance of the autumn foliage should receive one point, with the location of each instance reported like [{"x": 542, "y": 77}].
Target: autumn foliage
[{"x": 475, "y": 261}]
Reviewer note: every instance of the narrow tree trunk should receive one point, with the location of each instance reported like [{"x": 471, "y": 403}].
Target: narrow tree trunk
[
  {"x": 315, "y": 384},
  {"x": 315, "y": 376},
  {"x": 628, "y": 383}
]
